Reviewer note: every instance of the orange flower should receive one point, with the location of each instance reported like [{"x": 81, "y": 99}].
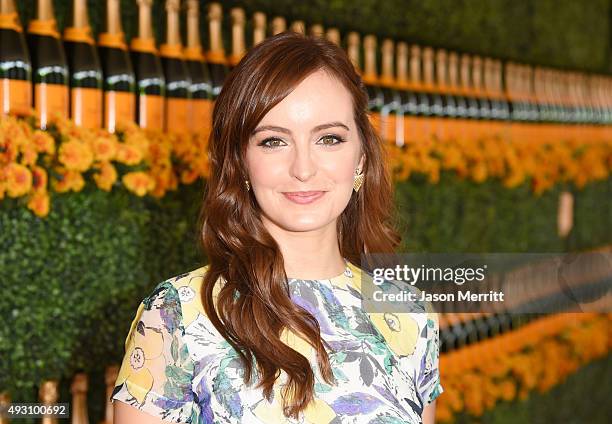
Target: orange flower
[
  {"x": 75, "y": 155},
  {"x": 138, "y": 182},
  {"x": 106, "y": 177},
  {"x": 104, "y": 148},
  {"x": 128, "y": 154},
  {"x": 28, "y": 154},
  {"x": 43, "y": 142},
  {"x": 39, "y": 178},
  {"x": 18, "y": 180},
  {"x": 39, "y": 203},
  {"x": 69, "y": 180}
]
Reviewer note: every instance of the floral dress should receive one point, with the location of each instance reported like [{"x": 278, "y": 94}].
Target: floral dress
[{"x": 178, "y": 367}]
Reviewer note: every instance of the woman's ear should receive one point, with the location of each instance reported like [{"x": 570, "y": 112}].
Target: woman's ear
[{"x": 361, "y": 163}]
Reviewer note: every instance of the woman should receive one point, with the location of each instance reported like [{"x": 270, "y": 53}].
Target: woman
[{"x": 262, "y": 334}]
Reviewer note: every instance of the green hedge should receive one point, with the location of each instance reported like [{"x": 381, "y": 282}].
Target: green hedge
[
  {"x": 71, "y": 282},
  {"x": 571, "y": 34}
]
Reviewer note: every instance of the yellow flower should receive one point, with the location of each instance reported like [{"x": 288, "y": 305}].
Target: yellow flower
[
  {"x": 39, "y": 203},
  {"x": 28, "y": 154},
  {"x": 138, "y": 182},
  {"x": 128, "y": 154},
  {"x": 18, "y": 179},
  {"x": 104, "y": 148},
  {"x": 40, "y": 178},
  {"x": 43, "y": 142},
  {"x": 69, "y": 180},
  {"x": 75, "y": 155},
  {"x": 106, "y": 177},
  {"x": 400, "y": 331},
  {"x": 143, "y": 351}
]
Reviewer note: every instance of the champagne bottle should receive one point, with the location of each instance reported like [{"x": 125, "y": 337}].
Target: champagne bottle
[
  {"x": 119, "y": 79},
  {"x": 238, "y": 45},
  {"x": 15, "y": 66},
  {"x": 85, "y": 69},
  {"x": 488, "y": 77},
  {"x": 215, "y": 56},
  {"x": 449, "y": 104},
  {"x": 201, "y": 84},
  {"x": 49, "y": 67},
  {"x": 478, "y": 84},
  {"x": 150, "y": 82},
  {"x": 417, "y": 78},
  {"x": 391, "y": 97},
  {"x": 504, "y": 107},
  {"x": 178, "y": 82},
  {"x": 534, "y": 112},
  {"x": 408, "y": 100},
  {"x": 376, "y": 98},
  {"x": 512, "y": 90},
  {"x": 461, "y": 107},
  {"x": 473, "y": 109}
]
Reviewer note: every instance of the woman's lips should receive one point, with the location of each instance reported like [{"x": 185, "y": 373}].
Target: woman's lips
[{"x": 304, "y": 197}]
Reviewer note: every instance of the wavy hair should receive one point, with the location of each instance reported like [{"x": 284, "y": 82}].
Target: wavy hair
[{"x": 253, "y": 305}]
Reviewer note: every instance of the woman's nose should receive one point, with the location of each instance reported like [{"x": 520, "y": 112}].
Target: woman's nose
[{"x": 304, "y": 165}]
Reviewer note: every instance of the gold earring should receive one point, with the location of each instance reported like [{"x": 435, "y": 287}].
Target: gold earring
[
  {"x": 248, "y": 185},
  {"x": 358, "y": 180}
]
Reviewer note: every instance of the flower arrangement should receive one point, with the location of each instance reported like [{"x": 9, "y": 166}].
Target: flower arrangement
[
  {"x": 64, "y": 157},
  {"x": 510, "y": 161},
  {"x": 534, "y": 357}
]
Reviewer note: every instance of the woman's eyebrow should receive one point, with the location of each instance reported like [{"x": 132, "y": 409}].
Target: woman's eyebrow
[{"x": 287, "y": 131}]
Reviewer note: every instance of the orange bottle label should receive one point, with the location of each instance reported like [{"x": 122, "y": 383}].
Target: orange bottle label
[
  {"x": 15, "y": 96},
  {"x": 151, "y": 111},
  {"x": 177, "y": 115},
  {"x": 201, "y": 114},
  {"x": 86, "y": 107},
  {"x": 118, "y": 106},
  {"x": 50, "y": 99}
]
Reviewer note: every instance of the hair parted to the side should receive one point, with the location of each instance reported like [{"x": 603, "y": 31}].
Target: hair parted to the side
[{"x": 253, "y": 305}]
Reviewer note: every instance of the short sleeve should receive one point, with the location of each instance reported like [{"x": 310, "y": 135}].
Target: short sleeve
[
  {"x": 428, "y": 376},
  {"x": 157, "y": 370}
]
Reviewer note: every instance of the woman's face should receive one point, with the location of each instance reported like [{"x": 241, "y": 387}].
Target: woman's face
[{"x": 307, "y": 143}]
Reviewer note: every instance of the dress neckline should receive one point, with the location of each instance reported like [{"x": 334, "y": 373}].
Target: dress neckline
[{"x": 346, "y": 273}]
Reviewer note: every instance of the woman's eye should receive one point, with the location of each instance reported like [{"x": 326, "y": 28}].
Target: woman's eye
[
  {"x": 333, "y": 137},
  {"x": 273, "y": 142}
]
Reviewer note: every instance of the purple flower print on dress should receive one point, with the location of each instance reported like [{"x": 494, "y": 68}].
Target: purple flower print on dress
[{"x": 356, "y": 403}]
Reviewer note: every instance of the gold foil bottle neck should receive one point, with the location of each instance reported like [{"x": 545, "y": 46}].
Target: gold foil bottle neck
[
  {"x": 333, "y": 35},
  {"x": 279, "y": 24},
  {"x": 387, "y": 60},
  {"x": 238, "y": 22},
  {"x": 370, "y": 73},
  {"x": 145, "y": 31},
  {"x": 298, "y": 26},
  {"x": 7, "y": 6},
  {"x": 401, "y": 63},
  {"x": 316, "y": 30},
  {"x": 352, "y": 40},
  {"x": 173, "y": 36},
  {"x": 113, "y": 17},
  {"x": 259, "y": 27}
]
